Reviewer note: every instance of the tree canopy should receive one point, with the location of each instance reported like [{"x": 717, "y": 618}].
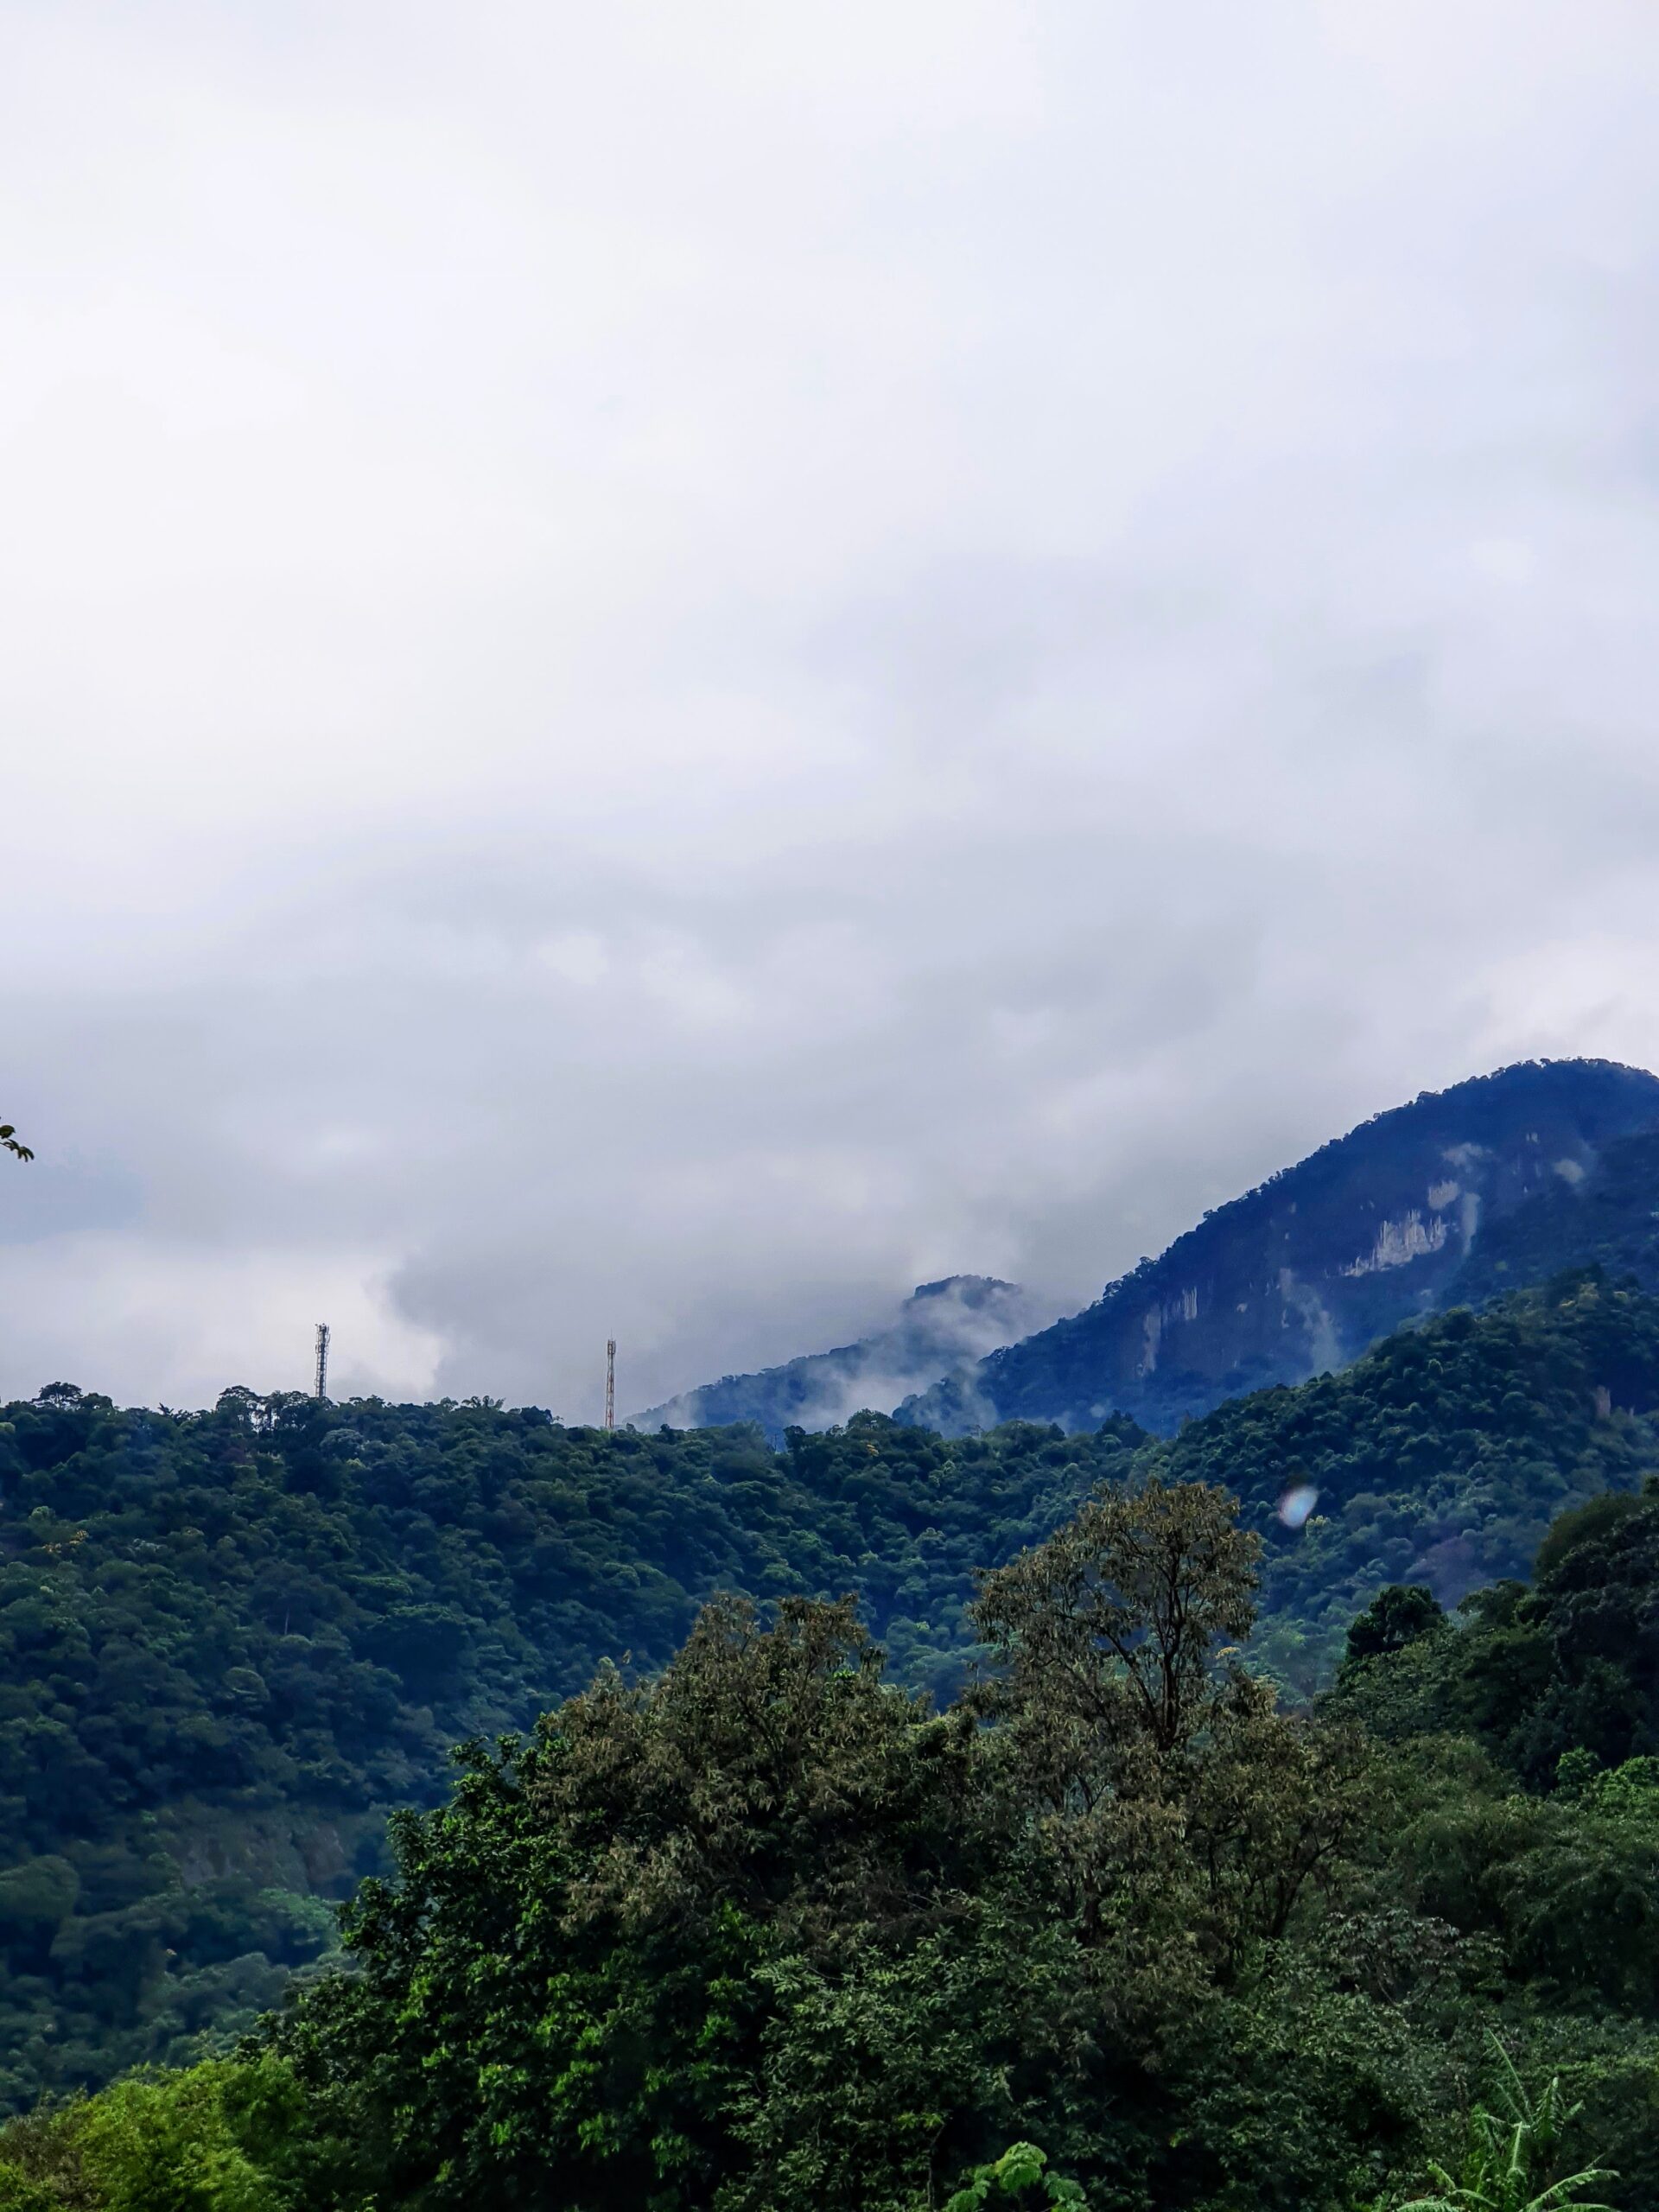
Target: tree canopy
[
  {"x": 845, "y": 1825},
  {"x": 764, "y": 1932}
]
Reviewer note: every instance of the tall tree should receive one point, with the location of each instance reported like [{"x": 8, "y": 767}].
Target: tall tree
[{"x": 1168, "y": 1785}]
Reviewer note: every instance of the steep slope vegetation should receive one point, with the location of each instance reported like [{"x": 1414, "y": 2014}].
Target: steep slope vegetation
[
  {"x": 1560, "y": 1680},
  {"x": 1607, "y": 1218},
  {"x": 1439, "y": 1458},
  {"x": 1303, "y": 1273}
]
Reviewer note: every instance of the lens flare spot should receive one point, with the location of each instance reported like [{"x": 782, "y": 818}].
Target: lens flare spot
[{"x": 1297, "y": 1504}]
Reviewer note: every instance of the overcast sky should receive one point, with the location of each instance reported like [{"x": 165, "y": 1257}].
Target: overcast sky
[{"x": 665, "y": 667}]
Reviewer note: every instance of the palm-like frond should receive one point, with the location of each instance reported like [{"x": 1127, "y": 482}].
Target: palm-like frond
[{"x": 1507, "y": 2147}]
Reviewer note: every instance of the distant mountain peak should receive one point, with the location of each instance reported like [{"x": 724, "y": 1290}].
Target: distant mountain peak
[
  {"x": 973, "y": 1290},
  {"x": 939, "y": 1327},
  {"x": 1304, "y": 1272},
  {"x": 1300, "y": 1274}
]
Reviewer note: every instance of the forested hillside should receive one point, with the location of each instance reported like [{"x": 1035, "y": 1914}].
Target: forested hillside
[
  {"x": 1116, "y": 1931},
  {"x": 1439, "y": 1458},
  {"x": 1608, "y": 1218},
  {"x": 234, "y": 1640}
]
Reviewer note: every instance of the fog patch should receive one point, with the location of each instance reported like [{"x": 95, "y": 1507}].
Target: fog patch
[{"x": 941, "y": 1327}]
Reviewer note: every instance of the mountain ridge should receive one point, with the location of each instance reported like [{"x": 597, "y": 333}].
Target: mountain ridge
[
  {"x": 1406, "y": 1212},
  {"x": 1301, "y": 1273}
]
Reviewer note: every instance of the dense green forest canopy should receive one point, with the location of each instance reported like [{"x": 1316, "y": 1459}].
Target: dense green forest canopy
[
  {"x": 766, "y": 1933},
  {"x": 1440, "y": 1457},
  {"x": 235, "y": 1641},
  {"x": 1559, "y": 1681}
]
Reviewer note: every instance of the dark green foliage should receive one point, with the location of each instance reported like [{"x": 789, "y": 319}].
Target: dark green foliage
[
  {"x": 1511, "y": 2157},
  {"x": 234, "y": 1640},
  {"x": 1596, "y": 1518},
  {"x": 1440, "y": 1458},
  {"x": 1567, "y": 1671},
  {"x": 1394, "y": 1617},
  {"x": 764, "y": 1933},
  {"x": 776, "y": 1931},
  {"x": 602, "y": 1908}
]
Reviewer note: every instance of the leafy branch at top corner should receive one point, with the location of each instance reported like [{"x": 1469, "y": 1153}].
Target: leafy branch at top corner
[{"x": 9, "y": 1141}]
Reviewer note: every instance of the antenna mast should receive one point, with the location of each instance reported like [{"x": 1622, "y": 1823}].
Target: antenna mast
[
  {"x": 610, "y": 1383},
  {"x": 322, "y": 1359}
]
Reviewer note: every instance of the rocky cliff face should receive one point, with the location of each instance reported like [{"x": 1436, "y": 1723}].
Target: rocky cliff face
[
  {"x": 1303, "y": 1273},
  {"x": 940, "y": 1327}
]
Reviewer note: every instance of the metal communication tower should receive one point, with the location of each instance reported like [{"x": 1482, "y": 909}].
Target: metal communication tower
[
  {"x": 610, "y": 1383},
  {"x": 322, "y": 1359}
]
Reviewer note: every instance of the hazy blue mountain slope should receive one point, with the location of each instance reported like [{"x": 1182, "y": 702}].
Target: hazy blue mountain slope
[
  {"x": 1608, "y": 1218},
  {"x": 1302, "y": 1274},
  {"x": 940, "y": 1326}
]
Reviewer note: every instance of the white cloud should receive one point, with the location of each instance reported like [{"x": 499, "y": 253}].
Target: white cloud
[{"x": 663, "y": 670}]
